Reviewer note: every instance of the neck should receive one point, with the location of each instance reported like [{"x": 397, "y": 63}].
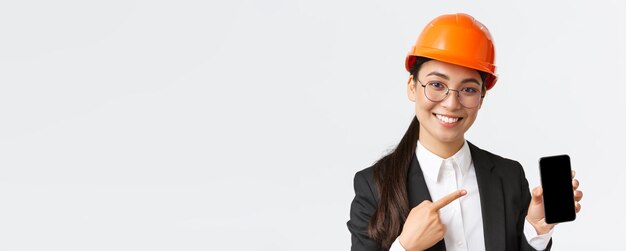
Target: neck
[{"x": 442, "y": 149}]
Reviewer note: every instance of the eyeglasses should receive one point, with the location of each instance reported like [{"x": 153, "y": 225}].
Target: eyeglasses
[{"x": 435, "y": 91}]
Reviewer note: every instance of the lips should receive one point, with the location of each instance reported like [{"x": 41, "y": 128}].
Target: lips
[{"x": 447, "y": 119}]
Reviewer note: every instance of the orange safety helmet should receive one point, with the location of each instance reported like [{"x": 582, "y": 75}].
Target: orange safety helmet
[{"x": 457, "y": 39}]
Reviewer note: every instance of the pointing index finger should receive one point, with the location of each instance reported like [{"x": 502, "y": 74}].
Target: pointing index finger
[{"x": 448, "y": 198}]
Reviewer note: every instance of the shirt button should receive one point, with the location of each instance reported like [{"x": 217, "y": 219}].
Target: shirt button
[{"x": 460, "y": 243}]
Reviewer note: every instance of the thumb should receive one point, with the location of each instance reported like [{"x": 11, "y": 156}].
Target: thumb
[{"x": 537, "y": 195}]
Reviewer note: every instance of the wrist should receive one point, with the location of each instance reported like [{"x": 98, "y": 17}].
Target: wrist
[
  {"x": 404, "y": 243},
  {"x": 540, "y": 226}
]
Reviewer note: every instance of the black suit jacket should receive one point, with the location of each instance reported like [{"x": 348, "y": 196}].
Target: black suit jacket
[{"x": 504, "y": 199}]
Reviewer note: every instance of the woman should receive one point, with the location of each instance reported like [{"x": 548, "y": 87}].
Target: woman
[{"x": 437, "y": 191}]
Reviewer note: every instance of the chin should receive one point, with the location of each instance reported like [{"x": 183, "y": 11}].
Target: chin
[
  {"x": 450, "y": 139},
  {"x": 447, "y": 137}
]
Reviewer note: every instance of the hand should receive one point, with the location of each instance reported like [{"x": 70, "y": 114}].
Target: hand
[
  {"x": 422, "y": 228},
  {"x": 536, "y": 214}
]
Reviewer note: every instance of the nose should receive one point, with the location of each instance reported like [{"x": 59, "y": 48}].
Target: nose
[{"x": 452, "y": 100}]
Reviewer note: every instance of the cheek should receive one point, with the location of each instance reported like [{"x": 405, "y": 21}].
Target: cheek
[
  {"x": 423, "y": 106},
  {"x": 421, "y": 101},
  {"x": 471, "y": 117}
]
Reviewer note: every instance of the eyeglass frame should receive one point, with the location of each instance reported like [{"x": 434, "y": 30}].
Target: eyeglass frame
[{"x": 458, "y": 96}]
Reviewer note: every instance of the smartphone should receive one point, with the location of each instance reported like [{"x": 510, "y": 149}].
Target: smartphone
[{"x": 558, "y": 193}]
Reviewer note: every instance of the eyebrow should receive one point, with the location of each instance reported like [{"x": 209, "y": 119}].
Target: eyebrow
[{"x": 444, "y": 76}]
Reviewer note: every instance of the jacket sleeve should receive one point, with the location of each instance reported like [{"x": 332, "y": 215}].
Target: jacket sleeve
[
  {"x": 361, "y": 210},
  {"x": 526, "y": 197}
]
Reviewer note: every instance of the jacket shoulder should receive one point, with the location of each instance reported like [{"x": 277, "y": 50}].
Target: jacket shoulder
[
  {"x": 366, "y": 172},
  {"x": 364, "y": 180},
  {"x": 507, "y": 168},
  {"x": 499, "y": 162}
]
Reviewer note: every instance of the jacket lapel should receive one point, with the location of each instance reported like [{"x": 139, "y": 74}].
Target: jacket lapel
[
  {"x": 416, "y": 185},
  {"x": 418, "y": 192},
  {"x": 491, "y": 200}
]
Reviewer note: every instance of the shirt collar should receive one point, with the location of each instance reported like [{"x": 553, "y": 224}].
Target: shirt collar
[{"x": 431, "y": 164}]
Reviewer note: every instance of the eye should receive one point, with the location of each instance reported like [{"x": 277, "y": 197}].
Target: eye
[
  {"x": 437, "y": 85},
  {"x": 470, "y": 90}
]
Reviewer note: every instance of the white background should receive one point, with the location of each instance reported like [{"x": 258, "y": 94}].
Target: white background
[{"x": 234, "y": 125}]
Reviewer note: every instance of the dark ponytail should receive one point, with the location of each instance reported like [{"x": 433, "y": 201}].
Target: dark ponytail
[{"x": 390, "y": 175}]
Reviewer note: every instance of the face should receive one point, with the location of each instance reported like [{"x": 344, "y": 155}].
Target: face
[{"x": 444, "y": 123}]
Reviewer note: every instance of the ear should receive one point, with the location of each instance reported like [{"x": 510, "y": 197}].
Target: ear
[{"x": 411, "y": 89}]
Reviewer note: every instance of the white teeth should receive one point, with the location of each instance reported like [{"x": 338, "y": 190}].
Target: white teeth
[{"x": 446, "y": 119}]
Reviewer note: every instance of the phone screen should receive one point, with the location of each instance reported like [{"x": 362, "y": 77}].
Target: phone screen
[{"x": 558, "y": 194}]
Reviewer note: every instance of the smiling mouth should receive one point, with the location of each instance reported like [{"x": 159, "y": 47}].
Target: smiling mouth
[{"x": 447, "y": 119}]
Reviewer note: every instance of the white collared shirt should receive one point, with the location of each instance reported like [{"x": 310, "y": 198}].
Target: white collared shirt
[{"x": 462, "y": 217}]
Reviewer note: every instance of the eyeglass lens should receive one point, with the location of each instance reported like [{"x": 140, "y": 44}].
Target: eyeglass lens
[{"x": 469, "y": 97}]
